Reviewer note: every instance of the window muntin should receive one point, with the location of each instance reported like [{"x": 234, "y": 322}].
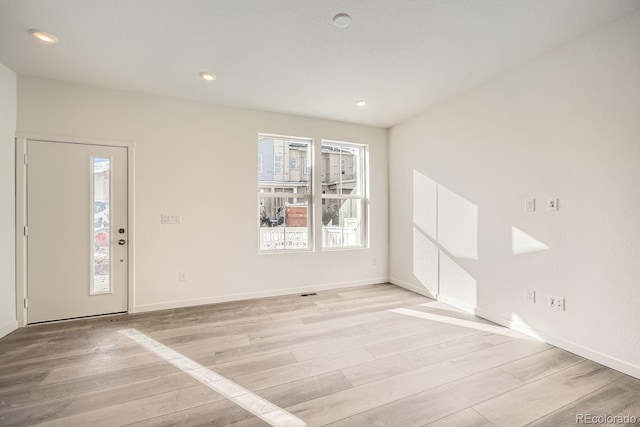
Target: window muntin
[
  {"x": 343, "y": 195},
  {"x": 284, "y": 194}
]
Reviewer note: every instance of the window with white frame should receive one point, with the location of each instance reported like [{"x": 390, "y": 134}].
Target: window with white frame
[
  {"x": 284, "y": 194},
  {"x": 344, "y": 195}
]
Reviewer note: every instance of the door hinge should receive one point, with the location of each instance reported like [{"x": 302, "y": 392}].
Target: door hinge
[
  {"x": 26, "y": 303},
  {"x": 25, "y": 160},
  {"x": 26, "y": 231}
]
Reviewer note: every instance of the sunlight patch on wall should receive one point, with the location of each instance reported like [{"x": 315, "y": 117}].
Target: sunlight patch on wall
[
  {"x": 457, "y": 224},
  {"x": 522, "y": 243},
  {"x": 425, "y": 207},
  {"x": 443, "y": 220},
  {"x": 518, "y": 324},
  {"x": 425, "y": 261},
  {"x": 456, "y": 283}
]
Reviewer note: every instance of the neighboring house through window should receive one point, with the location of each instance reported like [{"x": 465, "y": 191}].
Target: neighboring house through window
[
  {"x": 344, "y": 202},
  {"x": 285, "y": 194}
]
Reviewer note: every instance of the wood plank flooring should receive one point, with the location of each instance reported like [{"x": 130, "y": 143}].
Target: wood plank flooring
[{"x": 340, "y": 358}]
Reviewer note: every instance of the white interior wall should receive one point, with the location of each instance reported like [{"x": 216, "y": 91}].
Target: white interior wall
[
  {"x": 199, "y": 160},
  {"x": 7, "y": 200},
  {"x": 566, "y": 125}
]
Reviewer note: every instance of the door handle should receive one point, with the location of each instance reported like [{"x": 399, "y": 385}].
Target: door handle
[{"x": 121, "y": 242}]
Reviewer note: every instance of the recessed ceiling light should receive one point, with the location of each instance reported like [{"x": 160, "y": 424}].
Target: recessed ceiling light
[
  {"x": 208, "y": 76},
  {"x": 43, "y": 37},
  {"x": 361, "y": 103},
  {"x": 341, "y": 20}
]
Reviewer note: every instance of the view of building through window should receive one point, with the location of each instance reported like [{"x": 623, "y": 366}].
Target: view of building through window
[
  {"x": 343, "y": 195},
  {"x": 285, "y": 193}
]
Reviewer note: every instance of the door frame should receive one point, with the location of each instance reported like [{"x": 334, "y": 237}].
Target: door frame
[{"x": 21, "y": 212}]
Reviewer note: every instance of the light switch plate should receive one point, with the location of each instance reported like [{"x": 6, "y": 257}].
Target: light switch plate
[{"x": 170, "y": 219}]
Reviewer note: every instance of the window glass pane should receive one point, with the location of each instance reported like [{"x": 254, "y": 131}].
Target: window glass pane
[
  {"x": 101, "y": 256},
  {"x": 266, "y": 160},
  {"x": 342, "y": 171},
  {"x": 280, "y": 161},
  {"x": 296, "y": 223},
  {"x": 342, "y": 222},
  {"x": 298, "y": 152},
  {"x": 286, "y": 172},
  {"x": 284, "y": 223},
  {"x": 343, "y": 195}
]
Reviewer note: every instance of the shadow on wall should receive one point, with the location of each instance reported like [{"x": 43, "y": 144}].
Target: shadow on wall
[{"x": 445, "y": 226}]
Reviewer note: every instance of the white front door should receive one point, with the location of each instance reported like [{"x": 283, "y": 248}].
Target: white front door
[{"x": 76, "y": 230}]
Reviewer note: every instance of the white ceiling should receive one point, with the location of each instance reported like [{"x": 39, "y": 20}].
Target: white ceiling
[{"x": 403, "y": 56}]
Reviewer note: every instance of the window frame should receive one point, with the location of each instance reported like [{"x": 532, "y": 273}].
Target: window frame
[
  {"x": 308, "y": 196},
  {"x": 362, "y": 173}
]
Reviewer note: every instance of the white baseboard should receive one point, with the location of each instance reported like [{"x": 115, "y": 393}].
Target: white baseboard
[
  {"x": 252, "y": 295},
  {"x": 412, "y": 288},
  {"x": 596, "y": 356},
  {"x": 8, "y": 328}
]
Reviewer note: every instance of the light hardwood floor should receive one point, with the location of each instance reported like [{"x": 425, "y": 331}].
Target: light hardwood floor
[{"x": 340, "y": 358}]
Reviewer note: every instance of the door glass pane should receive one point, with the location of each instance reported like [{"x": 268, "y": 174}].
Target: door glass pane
[{"x": 100, "y": 233}]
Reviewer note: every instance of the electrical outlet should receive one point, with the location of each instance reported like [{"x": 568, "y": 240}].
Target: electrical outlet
[
  {"x": 552, "y": 204},
  {"x": 183, "y": 276},
  {"x": 374, "y": 261},
  {"x": 530, "y": 205},
  {"x": 530, "y": 295},
  {"x": 556, "y": 303}
]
